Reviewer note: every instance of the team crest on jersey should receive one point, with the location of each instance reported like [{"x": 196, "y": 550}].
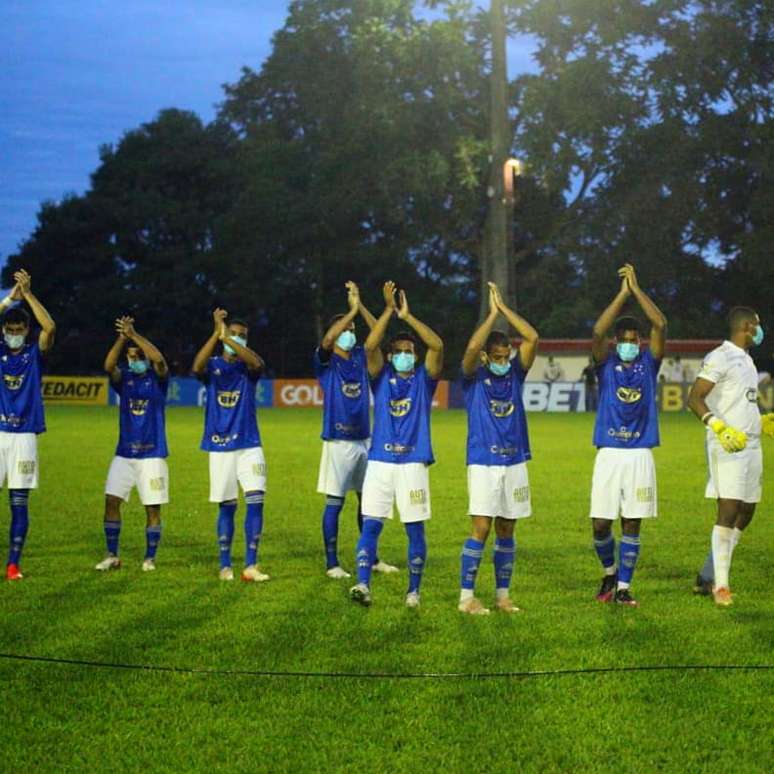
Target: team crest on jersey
[
  {"x": 138, "y": 406},
  {"x": 399, "y": 408},
  {"x": 228, "y": 399},
  {"x": 628, "y": 394},
  {"x": 351, "y": 389},
  {"x": 501, "y": 408},
  {"x": 752, "y": 395},
  {"x": 13, "y": 382}
]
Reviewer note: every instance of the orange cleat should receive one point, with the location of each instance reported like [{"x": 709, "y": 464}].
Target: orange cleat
[
  {"x": 12, "y": 572},
  {"x": 722, "y": 596}
]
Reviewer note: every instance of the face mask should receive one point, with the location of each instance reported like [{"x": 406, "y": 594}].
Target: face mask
[
  {"x": 758, "y": 336},
  {"x": 403, "y": 362},
  {"x": 627, "y": 351},
  {"x": 239, "y": 340},
  {"x": 499, "y": 369},
  {"x": 138, "y": 366},
  {"x": 16, "y": 340},
  {"x": 346, "y": 340}
]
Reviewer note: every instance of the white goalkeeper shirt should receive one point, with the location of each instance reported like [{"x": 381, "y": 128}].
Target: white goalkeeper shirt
[{"x": 734, "y": 398}]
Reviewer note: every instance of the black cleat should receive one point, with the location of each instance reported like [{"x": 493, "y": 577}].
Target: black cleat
[
  {"x": 607, "y": 588},
  {"x": 702, "y": 587},
  {"x": 623, "y": 597}
]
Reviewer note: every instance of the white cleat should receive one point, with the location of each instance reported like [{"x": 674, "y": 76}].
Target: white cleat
[
  {"x": 226, "y": 574},
  {"x": 412, "y": 599},
  {"x": 108, "y": 563},
  {"x": 383, "y": 567},
  {"x": 360, "y": 594},
  {"x": 337, "y": 572},
  {"x": 472, "y": 606},
  {"x": 251, "y": 574},
  {"x": 505, "y": 605},
  {"x": 148, "y": 565}
]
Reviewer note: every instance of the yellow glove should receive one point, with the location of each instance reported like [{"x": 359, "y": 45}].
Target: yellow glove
[
  {"x": 731, "y": 439},
  {"x": 767, "y": 424}
]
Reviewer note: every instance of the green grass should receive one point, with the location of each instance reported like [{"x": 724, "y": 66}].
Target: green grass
[{"x": 65, "y": 717}]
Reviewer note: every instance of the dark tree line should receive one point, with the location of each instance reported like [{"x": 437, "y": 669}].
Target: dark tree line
[{"x": 359, "y": 150}]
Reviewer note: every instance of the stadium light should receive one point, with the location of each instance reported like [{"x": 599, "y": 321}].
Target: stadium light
[{"x": 512, "y": 169}]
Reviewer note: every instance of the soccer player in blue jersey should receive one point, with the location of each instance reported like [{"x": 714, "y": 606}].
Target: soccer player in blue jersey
[
  {"x": 21, "y": 408},
  {"x": 140, "y": 458},
  {"x": 340, "y": 366},
  {"x": 498, "y": 449},
  {"x": 401, "y": 451},
  {"x": 232, "y": 439},
  {"x": 626, "y": 430}
]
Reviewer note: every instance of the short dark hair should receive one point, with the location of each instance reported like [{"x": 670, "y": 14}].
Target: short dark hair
[
  {"x": 336, "y": 318},
  {"x": 17, "y": 314},
  {"x": 738, "y": 315},
  {"x": 238, "y": 321},
  {"x": 496, "y": 339},
  {"x": 626, "y": 323},
  {"x": 403, "y": 336}
]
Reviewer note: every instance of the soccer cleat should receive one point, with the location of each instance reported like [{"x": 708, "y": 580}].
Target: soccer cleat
[
  {"x": 384, "y": 568},
  {"x": 607, "y": 589},
  {"x": 360, "y": 594},
  {"x": 412, "y": 599},
  {"x": 337, "y": 572},
  {"x": 226, "y": 574},
  {"x": 108, "y": 563},
  {"x": 505, "y": 605},
  {"x": 722, "y": 596},
  {"x": 702, "y": 587},
  {"x": 148, "y": 565},
  {"x": 12, "y": 572},
  {"x": 623, "y": 597},
  {"x": 251, "y": 574},
  {"x": 472, "y": 606}
]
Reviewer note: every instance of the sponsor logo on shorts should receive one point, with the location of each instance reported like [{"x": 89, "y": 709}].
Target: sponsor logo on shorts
[
  {"x": 158, "y": 484},
  {"x": 259, "y": 468},
  {"x": 418, "y": 496},
  {"x": 521, "y": 494},
  {"x": 628, "y": 394},
  {"x": 26, "y": 467},
  {"x": 397, "y": 448},
  {"x": 228, "y": 399},
  {"x": 138, "y": 406},
  {"x": 501, "y": 408},
  {"x": 644, "y": 494},
  {"x": 13, "y": 382},
  {"x": 351, "y": 389},
  {"x": 399, "y": 408}
]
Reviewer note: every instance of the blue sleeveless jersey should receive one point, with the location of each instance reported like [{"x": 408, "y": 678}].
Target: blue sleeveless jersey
[
  {"x": 627, "y": 417},
  {"x": 21, "y": 398},
  {"x": 142, "y": 431},
  {"x": 344, "y": 384},
  {"x": 230, "y": 422},
  {"x": 402, "y": 417},
  {"x": 497, "y": 425}
]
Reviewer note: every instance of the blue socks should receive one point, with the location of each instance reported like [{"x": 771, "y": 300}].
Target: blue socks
[
  {"x": 417, "y": 553},
  {"x": 330, "y": 529},
  {"x": 605, "y": 548},
  {"x": 253, "y": 526},
  {"x": 470, "y": 561},
  {"x": 226, "y": 531},
  {"x": 20, "y": 521},
  {"x": 504, "y": 559},
  {"x": 366, "y": 548},
  {"x": 112, "y": 533},
  {"x": 152, "y": 539},
  {"x": 629, "y": 550}
]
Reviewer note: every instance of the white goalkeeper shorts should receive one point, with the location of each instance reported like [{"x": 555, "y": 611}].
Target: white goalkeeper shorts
[{"x": 734, "y": 476}]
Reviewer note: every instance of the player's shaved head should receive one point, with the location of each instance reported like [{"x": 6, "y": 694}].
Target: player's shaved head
[
  {"x": 739, "y": 315},
  {"x": 626, "y": 323},
  {"x": 496, "y": 339}
]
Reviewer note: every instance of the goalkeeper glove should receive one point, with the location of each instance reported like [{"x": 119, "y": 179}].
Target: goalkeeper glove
[
  {"x": 767, "y": 424},
  {"x": 731, "y": 439}
]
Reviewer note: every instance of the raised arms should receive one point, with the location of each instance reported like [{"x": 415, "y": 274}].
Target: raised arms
[{"x": 433, "y": 342}]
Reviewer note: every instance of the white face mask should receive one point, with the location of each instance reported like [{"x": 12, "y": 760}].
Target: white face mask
[{"x": 14, "y": 340}]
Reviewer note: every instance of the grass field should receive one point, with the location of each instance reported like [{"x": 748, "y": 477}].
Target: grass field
[{"x": 66, "y": 717}]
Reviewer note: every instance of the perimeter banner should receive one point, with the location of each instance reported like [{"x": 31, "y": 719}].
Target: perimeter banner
[
  {"x": 307, "y": 393},
  {"x": 76, "y": 390}
]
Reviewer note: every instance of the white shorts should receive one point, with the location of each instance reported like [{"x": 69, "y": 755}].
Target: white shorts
[
  {"x": 499, "y": 490},
  {"x": 407, "y": 484},
  {"x": 230, "y": 469},
  {"x": 342, "y": 467},
  {"x": 19, "y": 460},
  {"x": 737, "y": 476},
  {"x": 149, "y": 475},
  {"x": 624, "y": 480}
]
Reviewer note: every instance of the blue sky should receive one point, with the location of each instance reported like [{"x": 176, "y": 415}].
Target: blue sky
[{"x": 79, "y": 73}]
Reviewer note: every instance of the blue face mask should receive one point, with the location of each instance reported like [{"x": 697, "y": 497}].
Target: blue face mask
[
  {"x": 758, "y": 336},
  {"x": 239, "y": 340},
  {"x": 627, "y": 351},
  {"x": 138, "y": 367},
  {"x": 499, "y": 369},
  {"x": 403, "y": 361},
  {"x": 346, "y": 340}
]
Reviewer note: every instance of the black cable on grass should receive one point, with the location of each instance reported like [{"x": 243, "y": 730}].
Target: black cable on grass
[{"x": 390, "y": 675}]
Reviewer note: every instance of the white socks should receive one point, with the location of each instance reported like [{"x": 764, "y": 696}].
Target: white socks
[{"x": 722, "y": 548}]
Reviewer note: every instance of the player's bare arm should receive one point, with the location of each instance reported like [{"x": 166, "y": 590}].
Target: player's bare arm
[
  {"x": 149, "y": 350},
  {"x": 605, "y": 322},
  {"x": 529, "y": 336},
  {"x": 47, "y": 325},
  {"x": 249, "y": 357},
  {"x": 658, "y": 321},
  {"x": 13, "y": 295},
  {"x": 433, "y": 342},
  {"x": 472, "y": 357},
  {"x": 731, "y": 439},
  {"x": 340, "y": 325},
  {"x": 114, "y": 354},
  {"x": 373, "y": 343},
  {"x": 370, "y": 320},
  {"x": 205, "y": 353},
  {"x": 697, "y": 398}
]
